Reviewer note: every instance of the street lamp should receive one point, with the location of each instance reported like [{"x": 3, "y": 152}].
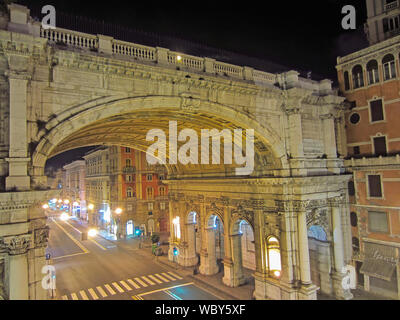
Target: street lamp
[
  {"x": 118, "y": 211},
  {"x": 45, "y": 206}
]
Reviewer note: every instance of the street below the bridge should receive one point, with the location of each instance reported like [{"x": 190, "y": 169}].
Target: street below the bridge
[{"x": 98, "y": 269}]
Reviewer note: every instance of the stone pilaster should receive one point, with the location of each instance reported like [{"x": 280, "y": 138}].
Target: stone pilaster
[
  {"x": 233, "y": 269},
  {"x": 208, "y": 259}
]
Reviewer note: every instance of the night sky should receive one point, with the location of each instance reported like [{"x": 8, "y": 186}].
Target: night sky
[{"x": 302, "y": 35}]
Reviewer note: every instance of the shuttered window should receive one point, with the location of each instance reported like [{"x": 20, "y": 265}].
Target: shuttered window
[
  {"x": 378, "y": 222},
  {"x": 375, "y": 187},
  {"x": 380, "y": 146},
  {"x": 377, "y": 110}
]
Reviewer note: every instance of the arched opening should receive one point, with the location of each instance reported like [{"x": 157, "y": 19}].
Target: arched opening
[
  {"x": 346, "y": 81},
  {"x": 358, "y": 77},
  {"x": 373, "y": 72},
  {"x": 243, "y": 255},
  {"x": 274, "y": 257},
  {"x": 389, "y": 67}
]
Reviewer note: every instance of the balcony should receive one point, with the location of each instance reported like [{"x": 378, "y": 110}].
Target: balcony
[
  {"x": 391, "y": 5},
  {"x": 129, "y": 170}
]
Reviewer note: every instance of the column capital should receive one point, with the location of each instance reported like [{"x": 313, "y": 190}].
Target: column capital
[
  {"x": 18, "y": 75},
  {"x": 16, "y": 245},
  {"x": 337, "y": 201}
]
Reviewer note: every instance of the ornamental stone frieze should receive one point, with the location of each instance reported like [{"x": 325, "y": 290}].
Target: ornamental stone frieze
[
  {"x": 41, "y": 237},
  {"x": 242, "y": 214},
  {"x": 16, "y": 245}
]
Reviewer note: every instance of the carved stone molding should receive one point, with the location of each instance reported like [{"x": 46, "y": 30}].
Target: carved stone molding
[
  {"x": 337, "y": 201},
  {"x": 41, "y": 237},
  {"x": 16, "y": 245},
  {"x": 242, "y": 214},
  {"x": 318, "y": 217}
]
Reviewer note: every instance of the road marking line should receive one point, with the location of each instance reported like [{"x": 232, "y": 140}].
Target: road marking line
[
  {"x": 98, "y": 244},
  {"x": 93, "y": 294},
  {"x": 162, "y": 278},
  {"x": 70, "y": 255},
  {"x": 141, "y": 282},
  {"x": 83, "y": 295},
  {"x": 73, "y": 227},
  {"x": 168, "y": 276},
  {"x": 64, "y": 297},
  {"x": 178, "y": 286},
  {"x": 133, "y": 284},
  {"x": 74, "y": 296},
  {"x": 175, "y": 275},
  {"x": 118, "y": 287},
  {"x": 109, "y": 289},
  {"x": 72, "y": 238},
  {"x": 173, "y": 295},
  {"x": 155, "y": 279},
  {"x": 126, "y": 285},
  {"x": 101, "y": 291},
  {"x": 148, "y": 280}
]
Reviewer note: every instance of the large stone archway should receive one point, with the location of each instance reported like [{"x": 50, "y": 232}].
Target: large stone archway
[{"x": 56, "y": 98}]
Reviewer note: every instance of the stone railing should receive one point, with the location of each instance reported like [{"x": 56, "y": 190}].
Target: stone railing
[
  {"x": 162, "y": 56},
  {"x": 70, "y": 38},
  {"x": 376, "y": 161},
  {"x": 391, "y": 6},
  {"x": 134, "y": 50}
]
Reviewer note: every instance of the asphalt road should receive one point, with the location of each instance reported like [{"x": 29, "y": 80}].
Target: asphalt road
[{"x": 98, "y": 269}]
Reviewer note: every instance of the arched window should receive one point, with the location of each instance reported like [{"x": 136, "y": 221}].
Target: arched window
[
  {"x": 358, "y": 77},
  {"x": 373, "y": 73},
  {"x": 346, "y": 81},
  {"x": 150, "y": 193},
  {"x": 129, "y": 193},
  {"x": 274, "y": 257},
  {"x": 128, "y": 162},
  {"x": 162, "y": 191},
  {"x": 177, "y": 228},
  {"x": 389, "y": 67}
]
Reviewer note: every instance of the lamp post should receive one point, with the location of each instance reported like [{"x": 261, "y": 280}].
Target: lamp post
[{"x": 118, "y": 212}]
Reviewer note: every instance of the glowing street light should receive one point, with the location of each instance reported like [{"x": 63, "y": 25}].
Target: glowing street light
[
  {"x": 90, "y": 206},
  {"x": 45, "y": 206},
  {"x": 64, "y": 217},
  {"x": 92, "y": 233},
  {"x": 118, "y": 211},
  {"x": 179, "y": 58},
  {"x": 66, "y": 201}
]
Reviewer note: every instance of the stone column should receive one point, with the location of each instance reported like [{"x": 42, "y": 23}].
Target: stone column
[
  {"x": 188, "y": 256},
  {"x": 233, "y": 272},
  {"x": 208, "y": 259},
  {"x": 18, "y": 151},
  {"x": 17, "y": 247},
  {"x": 324, "y": 267},
  {"x": 308, "y": 290},
  {"x": 338, "y": 252}
]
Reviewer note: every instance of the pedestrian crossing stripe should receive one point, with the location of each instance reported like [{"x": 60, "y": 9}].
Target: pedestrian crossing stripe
[
  {"x": 148, "y": 280},
  {"x": 137, "y": 298},
  {"x": 141, "y": 282},
  {"x": 93, "y": 294},
  {"x": 162, "y": 278},
  {"x": 123, "y": 286},
  {"x": 131, "y": 282},
  {"x": 109, "y": 289},
  {"x": 175, "y": 275},
  {"x": 101, "y": 291},
  {"x": 118, "y": 287},
  {"x": 155, "y": 279},
  {"x": 83, "y": 295}
]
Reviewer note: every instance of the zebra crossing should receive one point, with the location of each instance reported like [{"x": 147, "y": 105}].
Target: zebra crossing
[{"x": 118, "y": 287}]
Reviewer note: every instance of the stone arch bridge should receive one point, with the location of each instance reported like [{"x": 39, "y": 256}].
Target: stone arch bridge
[{"x": 61, "y": 89}]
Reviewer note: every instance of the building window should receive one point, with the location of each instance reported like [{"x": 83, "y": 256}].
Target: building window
[
  {"x": 150, "y": 206},
  {"x": 129, "y": 193},
  {"x": 353, "y": 219},
  {"x": 150, "y": 193},
  {"x": 391, "y": 24},
  {"x": 129, "y": 178},
  {"x": 128, "y": 162},
  {"x": 358, "y": 77},
  {"x": 356, "y": 151},
  {"x": 162, "y": 205},
  {"x": 355, "y": 118},
  {"x": 373, "y": 72},
  {"x": 127, "y": 150},
  {"x": 346, "y": 81},
  {"x": 351, "y": 188},
  {"x": 378, "y": 222},
  {"x": 129, "y": 207},
  {"x": 380, "y": 146},
  {"x": 162, "y": 191},
  {"x": 375, "y": 186},
  {"x": 161, "y": 177},
  {"x": 389, "y": 67},
  {"x": 150, "y": 177},
  {"x": 274, "y": 257},
  {"x": 377, "y": 113}
]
